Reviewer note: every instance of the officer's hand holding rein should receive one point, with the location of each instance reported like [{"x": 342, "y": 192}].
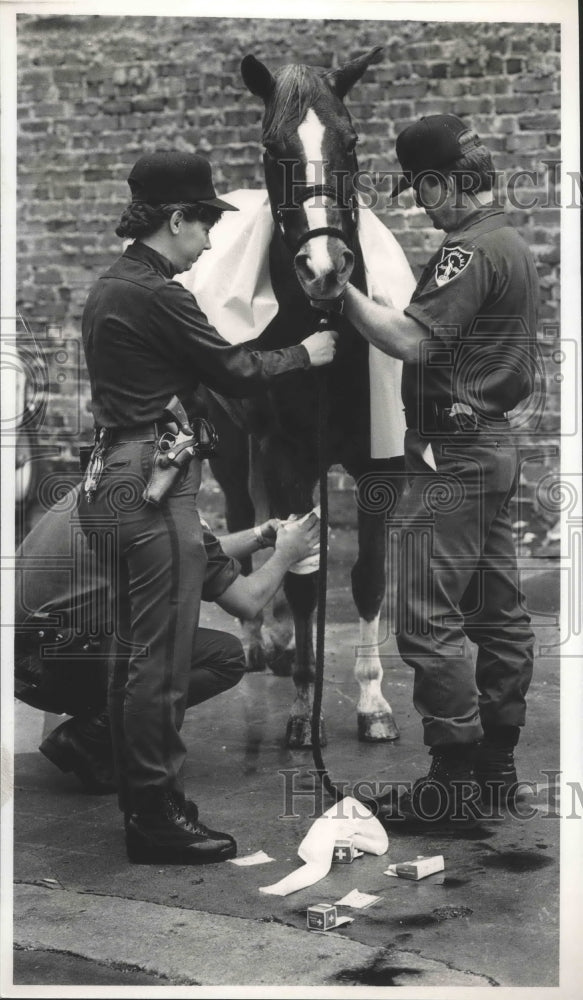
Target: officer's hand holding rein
[{"x": 321, "y": 347}]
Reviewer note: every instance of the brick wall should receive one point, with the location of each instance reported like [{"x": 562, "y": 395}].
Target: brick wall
[{"x": 95, "y": 92}]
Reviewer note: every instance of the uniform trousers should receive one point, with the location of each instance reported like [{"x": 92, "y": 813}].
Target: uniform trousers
[
  {"x": 77, "y": 686},
  {"x": 155, "y": 560},
  {"x": 458, "y": 581}
]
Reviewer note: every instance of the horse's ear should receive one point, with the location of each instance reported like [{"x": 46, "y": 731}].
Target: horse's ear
[
  {"x": 343, "y": 79},
  {"x": 257, "y": 77}
]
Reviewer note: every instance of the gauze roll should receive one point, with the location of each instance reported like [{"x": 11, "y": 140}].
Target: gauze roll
[
  {"x": 311, "y": 563},
  {"x": 348, "y": 819}
]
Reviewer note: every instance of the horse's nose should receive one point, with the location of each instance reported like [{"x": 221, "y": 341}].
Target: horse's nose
[
  {"x": 335, "y": 267},
  {"x": 305, "y": 266},
  {"x": 347, "y": 263}
]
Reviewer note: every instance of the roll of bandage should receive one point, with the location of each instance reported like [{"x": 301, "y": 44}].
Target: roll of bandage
[{"x": 311, "y": 563}]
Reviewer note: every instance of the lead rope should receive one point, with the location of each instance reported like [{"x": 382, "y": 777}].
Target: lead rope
[{"x": 321, "y": 768}]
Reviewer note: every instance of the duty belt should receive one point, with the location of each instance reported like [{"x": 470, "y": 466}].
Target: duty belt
[
  {"x": 138, "y": 433},
  {"x": 205, "y": 437},
  {"x": 459, "y": 418},
  {"x": 177, "y": 442}
]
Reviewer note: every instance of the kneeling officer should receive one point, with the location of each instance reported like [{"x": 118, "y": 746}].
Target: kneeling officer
[{"x": 64, "y": 620}]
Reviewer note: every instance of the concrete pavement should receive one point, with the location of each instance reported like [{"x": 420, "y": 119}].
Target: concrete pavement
[{"x": 490, "y": 919}]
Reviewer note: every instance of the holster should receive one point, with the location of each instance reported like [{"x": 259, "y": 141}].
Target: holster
[
  {"x": 175, "y": 449},
  {"x": 171, "y": 457}
]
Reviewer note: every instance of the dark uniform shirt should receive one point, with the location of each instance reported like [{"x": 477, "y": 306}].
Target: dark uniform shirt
[
  {"x": 478, "y": 296},
  {"x": 146, "y": 339},
  {"x": 57, "y": 573}
]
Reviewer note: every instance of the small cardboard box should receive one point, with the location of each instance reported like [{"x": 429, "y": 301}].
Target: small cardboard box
[
  {"x": 321, "y": 917},
  {"x": 343, "y": 853},
  {"x": 421, "y": 867}
]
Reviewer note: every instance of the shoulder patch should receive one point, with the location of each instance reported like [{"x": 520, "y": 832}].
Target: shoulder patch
[{"x": 453, "y": 261}]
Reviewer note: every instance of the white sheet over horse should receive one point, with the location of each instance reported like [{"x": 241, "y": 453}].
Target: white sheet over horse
[{"x": 233, "y": 287}]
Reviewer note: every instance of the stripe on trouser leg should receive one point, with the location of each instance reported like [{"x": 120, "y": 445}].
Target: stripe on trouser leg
[
  {"x": 172, "y": 724},
  {"x": 168, "y": 722}
]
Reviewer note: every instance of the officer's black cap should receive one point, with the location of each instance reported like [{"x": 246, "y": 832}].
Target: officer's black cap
[
  {"x": 165, "y": 177},
  {"x": 430, "y": 144}
]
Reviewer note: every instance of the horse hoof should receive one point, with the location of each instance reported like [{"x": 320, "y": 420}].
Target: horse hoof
[
  {"x": 256, "y": 661},
  {"x": 299, "y": 733},
  {"x": 281, "y": 661},
  {"x": 377, "y": 727}
]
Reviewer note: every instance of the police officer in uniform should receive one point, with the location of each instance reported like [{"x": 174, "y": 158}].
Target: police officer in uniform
[
  {"x": 146, "y": 342},
  {"x": 467, "y": 342},
  {"x": 63, "y": 628}
]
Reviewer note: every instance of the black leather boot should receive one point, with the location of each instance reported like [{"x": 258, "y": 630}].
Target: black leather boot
[
  {"x": 172, "y": 835},
  {"x": 84, "y": 747},
  {"x": 448, "y": 795},
  {"x": 190, "y": 809},
  {"x": 496, "y": 773}
]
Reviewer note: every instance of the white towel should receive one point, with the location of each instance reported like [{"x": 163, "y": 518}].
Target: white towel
[
  {"x": 233, "y": 287},
  {"x": 389, "y": 281},
  {"x": 231, "y": 282}
]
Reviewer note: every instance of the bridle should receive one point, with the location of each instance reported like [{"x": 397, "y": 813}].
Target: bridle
[{"x": 320, "y": 191}]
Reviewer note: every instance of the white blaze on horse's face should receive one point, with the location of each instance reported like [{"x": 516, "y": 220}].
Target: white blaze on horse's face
[
  {"x": 324, "y": 263},
  {"x": 311, "y": 135}
]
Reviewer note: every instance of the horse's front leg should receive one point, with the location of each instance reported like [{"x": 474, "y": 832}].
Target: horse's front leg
[
  {"x": 375, "y": 716},
  {"x": 270, "y": 644},
  {"x": 290, "y": 476},
  {"x": 302, "y": 592},
  {"x": 231, "y": 469}
]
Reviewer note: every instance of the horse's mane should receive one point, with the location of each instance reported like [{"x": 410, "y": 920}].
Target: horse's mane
[{"x": 296, "y": 89}]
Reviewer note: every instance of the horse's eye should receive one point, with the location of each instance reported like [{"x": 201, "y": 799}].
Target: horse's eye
[{"x": 271, "y": 150}]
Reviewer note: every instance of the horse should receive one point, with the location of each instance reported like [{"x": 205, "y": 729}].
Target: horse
[{"x": 310, "y": 169}]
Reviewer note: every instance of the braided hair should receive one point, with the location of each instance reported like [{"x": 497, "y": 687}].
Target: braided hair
[{"x": 141, "y": 219}]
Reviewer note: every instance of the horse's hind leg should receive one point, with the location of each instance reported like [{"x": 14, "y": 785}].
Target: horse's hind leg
[{"x": 375, "y": 715}]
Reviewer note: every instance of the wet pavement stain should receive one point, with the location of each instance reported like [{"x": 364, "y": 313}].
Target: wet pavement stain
[
  {"x": 471, "y": 833},
  {"x": 414, "y": 920},
  {"x": 378, "y": 973},
  {"x": 517, "y": 861},
  {"x": 454, "y": 883},
  {"x": 42, "y": 968},
  {"x": 452, "y": 912}
]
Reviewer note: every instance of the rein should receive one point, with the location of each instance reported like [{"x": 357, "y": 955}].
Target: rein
[
  {"x": 321, "y": 768},
  {"x": 313, "y": 191}
]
